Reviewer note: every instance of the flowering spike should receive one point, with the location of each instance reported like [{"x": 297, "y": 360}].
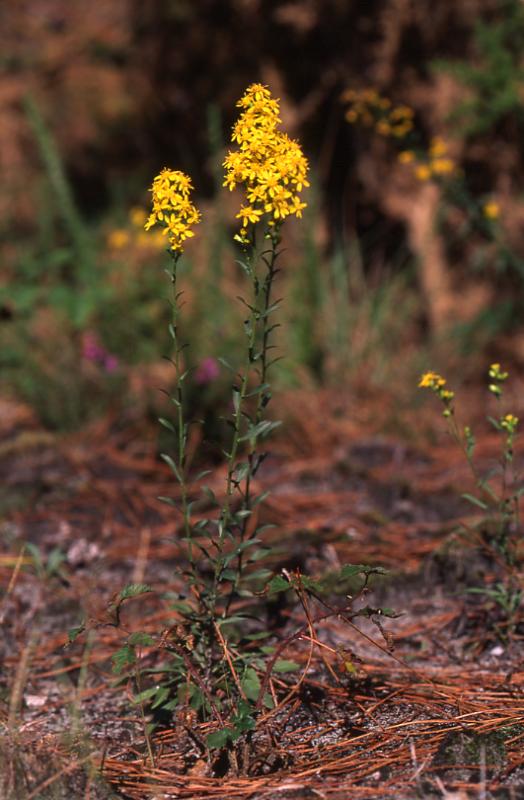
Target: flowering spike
[
  {"x": 268, "y": 164},
  {"x": 437, "y": 384},
  {"x": 172, "y": 208}
]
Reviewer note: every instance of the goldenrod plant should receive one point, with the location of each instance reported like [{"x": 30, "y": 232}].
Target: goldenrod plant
[
  {"x": 214, "y": 656},
  {"x": 499, "y": 531},
  {"x": 219, "y": 656},
  {"x": 432, "y": 160},
  {"x": 370, "y": 108}
]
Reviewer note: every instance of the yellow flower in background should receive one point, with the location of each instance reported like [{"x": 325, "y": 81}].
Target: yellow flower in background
[
  {"x": 437, "y": 147},
  {"x": 269, "y": 165},
  {"x": 384, "y": 128},
  {"x": 491, "y": 210},
  {"x": 431, "y": 380},
  {"x": 118, "y": 238},
  {"x": 172, "y": 208},
  {"x": 370, "y": 108},
  {"x": 442, "y": 166},
  {"x": 150, "y": 240},
  {"x": 509, "y": 422},
  {"x": 406, "y": 156},
  {"x": 437, "y": 384},
  {"x": 497, "y": 373},
  {"x": 423, "y": 172},
  {"x": 137, "y": 216}
]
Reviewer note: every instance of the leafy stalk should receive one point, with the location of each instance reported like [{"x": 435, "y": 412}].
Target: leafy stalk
[{"x": 181, "y": 427}]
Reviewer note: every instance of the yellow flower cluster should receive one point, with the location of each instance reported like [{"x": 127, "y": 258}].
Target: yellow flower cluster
[
  {"x": 172, "y": 208},
  {"x": 268, "y": 164},
  {"x": 432, "y": 380},
  {"x": 134, "y": 235},
  {"x": 496, "y": 373},
  {"x": 497, "y": 377},
  {"x": 437, "y": 384},
  {"x": 373, "y": 110},
  {"x": 435, "y": 164}
]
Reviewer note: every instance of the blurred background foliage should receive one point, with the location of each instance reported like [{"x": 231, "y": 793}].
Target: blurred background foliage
[{"x": 412, "y": 245}]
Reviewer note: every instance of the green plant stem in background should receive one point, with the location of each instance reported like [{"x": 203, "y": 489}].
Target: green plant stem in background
[{"x": 56, "y": 174}]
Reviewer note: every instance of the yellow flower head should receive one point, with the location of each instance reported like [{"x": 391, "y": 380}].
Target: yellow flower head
[
  {"x": 491, "y": 210},
  {"x": 437, "y": 384},
  {"x": 496, "y": 373},
  {"x": 137, "y": 216},
  {"x": 442, "y": 166},
  {"x": 172, "y": 208},
  {"x": 384, "y": 128},
  {"x": 437, "y": 147},
  {"x": 432, "y": 380},
  {"x": 509, "y": 422},
  {"x": 268, "y": 164},
  {"x": 118, "y": 238},
  {"x": 423, "y": 172}
]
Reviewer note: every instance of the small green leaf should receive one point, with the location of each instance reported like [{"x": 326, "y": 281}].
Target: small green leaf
[
  {"x": 133, "y": 590},
  {"x": 278, "y": 584},
  {"x": 218, "y": 739},
  {"x": 260, "y": 498},
  {"x": 198, "y": 699},
  {"x": 350, "y": 570},
  {"x": 123, "y": 658},
  {"x": 183, "y": 607},
  {"x": 281, "y": 665},
  {"x": 475, "y": 501},
  {"x": 262, "y": 552},
  {"x": 74, "y": 633},
  {"x": 161, "y": 696},
  {"x": 140, "y": 639},
  {"x": 55, "y": 558},
  {"x": 251, "y": 684},
  {"x": 36, "y": 555},
  {"x": 244, "y": 719},
  {"x": 167, "y": 424},
  {"x": 203, "y": 474},
  {"x": 147, "y": 694},
  {"x": 168, "y": 500},
  {"x": 174, "y": 468},
  {"x": 226, "y": 364},
  {"x": 234, "y": 619}
]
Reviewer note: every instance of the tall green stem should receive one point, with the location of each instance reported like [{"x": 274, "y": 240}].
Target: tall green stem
[
  {"x": 258, "y": 330},
  {"x": 178, "y": 401},
  {"x": 263, "y": 394}
]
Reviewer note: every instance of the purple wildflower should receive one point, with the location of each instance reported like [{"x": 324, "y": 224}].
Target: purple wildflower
[
  {"x": 110, "y": 363},
  {"x": 207, "y": 371},
  {"x": 92, "y": 350},
  {"x": 95, "y": 352}
]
